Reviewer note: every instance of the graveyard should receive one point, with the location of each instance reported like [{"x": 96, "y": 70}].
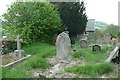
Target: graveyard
[
  {"x": 84, "y": 63},
  {"x": 43, "y": 45}
]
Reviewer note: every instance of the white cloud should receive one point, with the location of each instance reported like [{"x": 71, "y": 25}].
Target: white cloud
[
  {"x": 103, "y": 10},
  {"x": 4, "y": 4}
]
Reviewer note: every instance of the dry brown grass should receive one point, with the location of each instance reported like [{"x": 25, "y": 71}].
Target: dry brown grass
[{"x": 8, "y": 58}]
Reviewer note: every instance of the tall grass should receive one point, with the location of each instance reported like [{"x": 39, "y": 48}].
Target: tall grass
[
  {"x": 39, "y": 52},
  {"x": 37, "y": 48},
  {"x": 13, "y": 73},
  {"x": 0, "y": 72},
  {"x": 91, "y": 56},
  {"x": 91, "y": 70}
]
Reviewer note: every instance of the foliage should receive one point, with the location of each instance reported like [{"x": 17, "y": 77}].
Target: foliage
[
  {"x": 39, "y": 52},
  {"x": 112, "y": 29},
  {"x": 98, "y": 33},
  {"x": 100, "y": 25},
  {"x": 8, "y": 73},
  {"x": 73, "y": 16},
  {"x": 38, "y": 62},
  {"x": 9, "y": 46},
  {"x": 91, "y": 70},
  {"x": 34, "y": 21},
  {"x": 0, "y": 73},
  {"x": 118, "y": 33},
  {"x": 40, "y": 49}
]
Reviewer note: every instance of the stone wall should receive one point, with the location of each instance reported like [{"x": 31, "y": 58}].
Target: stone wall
[{"x": 8, "y": 46}]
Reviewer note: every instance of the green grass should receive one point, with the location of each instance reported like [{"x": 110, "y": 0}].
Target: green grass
[
  {"x": 40, "y": 49},
  {"x": 39, "y": 52},
  {"x": 91, "y": 56},
  {"x": 0, "y": 72},
  {"x": 13, "y": 73},
  {"x": 94, "y": 61},
  {"x": 38, "y": 62},
  {"x": 91, "y": 70}
]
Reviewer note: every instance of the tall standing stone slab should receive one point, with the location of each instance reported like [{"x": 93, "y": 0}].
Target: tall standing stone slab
[
  {"x": 107, "y": 38},
  {"x": 63, "y": 46},
  {"x": 90, "y": 28}
]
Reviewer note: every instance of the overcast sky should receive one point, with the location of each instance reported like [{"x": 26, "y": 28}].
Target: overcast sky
[{"x": 100, "y": 10}]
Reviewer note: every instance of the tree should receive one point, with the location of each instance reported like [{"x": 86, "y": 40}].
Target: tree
[
  {"x": 112, "y": 29},
  {"x": 73, "y": 16},
  {"x": 34, "y": 21},
  {"x": 98, "y": 34}
]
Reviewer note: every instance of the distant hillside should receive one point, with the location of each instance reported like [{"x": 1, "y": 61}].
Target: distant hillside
[{"x": 100, "y": 25}]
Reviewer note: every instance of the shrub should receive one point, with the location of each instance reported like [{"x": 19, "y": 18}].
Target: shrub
[
  {"x": 33, "y": 21},
  {"x": 8, "y": 46}
]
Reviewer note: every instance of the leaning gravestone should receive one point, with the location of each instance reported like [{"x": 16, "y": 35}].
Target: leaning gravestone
[
  {"x": 96, "y": 47},
  {"x": 107, "y": 38},
  {"x": 63, "y": 44},
  {"x": 19, "y": 52}
]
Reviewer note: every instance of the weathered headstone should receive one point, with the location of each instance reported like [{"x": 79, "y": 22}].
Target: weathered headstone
[
  {"x": 107, "y": 38},
  {"x": 114, "y": 42},
  {"x": 19, "y": 52},
  {"x": 83, "y": 43},
  {"x": 96, "y": 47},
  {"x": 63, "y": 46}
]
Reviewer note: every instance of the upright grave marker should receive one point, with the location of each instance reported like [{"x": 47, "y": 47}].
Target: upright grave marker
[
  {"x": 107, "y": 38},
  {"x": 96, "y": 47},
  {"x": 84, "y": 42},
  {"x": 19, "y": 52},
  {"x": 63, "y": 45},
  {"x": 90, "y": 28}
]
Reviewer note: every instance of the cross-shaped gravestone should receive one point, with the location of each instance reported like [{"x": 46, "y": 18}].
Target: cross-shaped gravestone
[
  {"x": 18, "y": 42},
  {"x": 19, "y": 52}
]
